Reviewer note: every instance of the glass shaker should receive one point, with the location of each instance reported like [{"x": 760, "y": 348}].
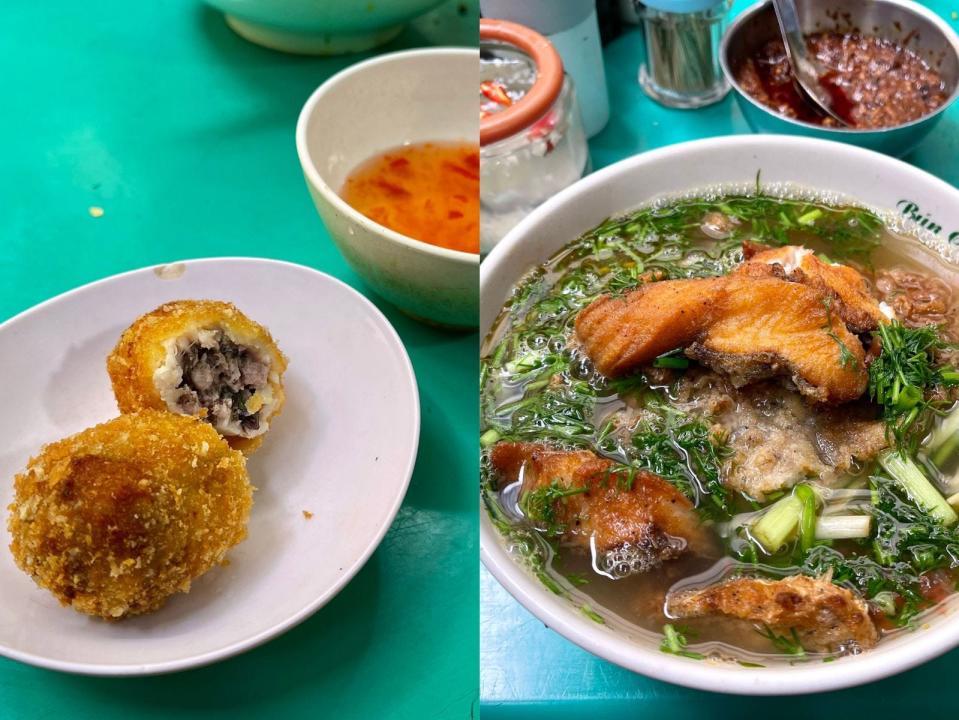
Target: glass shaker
[
  {"x": 682, "y": 67},
  {"x": 532, "y": 142}
]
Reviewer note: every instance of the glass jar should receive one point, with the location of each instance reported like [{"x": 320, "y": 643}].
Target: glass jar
[
  {"x": 532, "y": 142},
  {"x": 682, "y": 67}
]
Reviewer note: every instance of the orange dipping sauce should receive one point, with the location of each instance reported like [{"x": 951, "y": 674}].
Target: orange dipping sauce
[{"x": 428, "y": 191}]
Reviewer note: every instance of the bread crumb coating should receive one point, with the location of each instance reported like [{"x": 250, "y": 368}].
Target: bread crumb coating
[{"x": 117, "y": 518}]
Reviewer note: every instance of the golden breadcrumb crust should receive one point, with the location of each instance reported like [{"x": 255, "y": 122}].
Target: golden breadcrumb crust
[
  {"x": 141, "y": 351},
  {"x": 115, "y": 519}
]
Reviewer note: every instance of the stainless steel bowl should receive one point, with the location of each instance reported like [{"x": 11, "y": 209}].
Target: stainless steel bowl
[{"x": 913, "y": 25}]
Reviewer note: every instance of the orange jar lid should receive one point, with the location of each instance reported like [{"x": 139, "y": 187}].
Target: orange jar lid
[{"x": 540, "y": 97}]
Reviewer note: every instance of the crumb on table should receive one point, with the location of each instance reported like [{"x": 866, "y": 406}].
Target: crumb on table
[
  {"x": 96, "y": 211},
  {"x": 307, "y": 514}
]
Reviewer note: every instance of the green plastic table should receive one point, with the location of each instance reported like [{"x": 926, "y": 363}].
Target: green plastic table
[
  {"x": 183, "y": 134},
  {"x": 528, "y": 672}
]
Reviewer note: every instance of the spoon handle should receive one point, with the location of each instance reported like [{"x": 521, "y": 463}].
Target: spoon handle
[
  {"x": 788, "y": 17},
  {"x": 809, "y": 75}
]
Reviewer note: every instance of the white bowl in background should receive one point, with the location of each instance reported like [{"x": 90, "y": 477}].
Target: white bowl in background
[
  {"x": 397, "y": 99},
  {"x": 320, "y": 27},
  {"x": 860, "y": 175}
]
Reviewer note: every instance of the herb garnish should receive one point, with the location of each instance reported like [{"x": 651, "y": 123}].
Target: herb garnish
[
  {"x": 539, "y": 506},
  {"x": 524, "y": 542},
  {"x": 675, "y": 642},
  {"x": 592, "y": 614},
  {"x": 906, "y": 544},
  {"x": 846, "y": 358},
  {"x": 901, "y": 376},
  {"x": 787, "y": 645},
  {"x": 681, "y": 449}
]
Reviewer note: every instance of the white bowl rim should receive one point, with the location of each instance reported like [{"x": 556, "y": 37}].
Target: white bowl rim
[
  {"x": 748, "y": 13},
  {"x": 316, "y": 179},
  {"x": 562, "y": 617},
  {"x": 240, "y": 646}
]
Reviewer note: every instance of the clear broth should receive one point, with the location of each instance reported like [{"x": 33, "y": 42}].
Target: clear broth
[{"x": 574, "y": 275}]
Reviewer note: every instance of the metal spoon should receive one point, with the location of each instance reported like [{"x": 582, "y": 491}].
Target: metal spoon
[{"x": 808, "y": 72}]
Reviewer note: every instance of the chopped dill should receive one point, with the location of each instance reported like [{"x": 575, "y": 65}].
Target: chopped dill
[
  {"x": 887, "y": 571},
  {"x": 524, "y": 542},
  {"x": 539, "y": 506},
  {"x": 901, "y": 377},
  {"x": 562, "y": 413},
  {"x": 681, "y": 449},
  {"x": 846, "y": 358}
]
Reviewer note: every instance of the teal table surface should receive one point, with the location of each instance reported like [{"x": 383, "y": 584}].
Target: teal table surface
[
  {"x": 528, "y": 672},
  {"x": 182, "y": 133}
]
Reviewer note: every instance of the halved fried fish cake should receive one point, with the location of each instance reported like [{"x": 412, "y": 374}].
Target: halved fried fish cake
[{"x": 203, "y": 358}]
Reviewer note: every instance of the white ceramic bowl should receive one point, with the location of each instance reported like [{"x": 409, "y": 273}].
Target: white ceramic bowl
[
  {"x": 392, "y": 100},
  {"x": 320, "y": 27},
  {"x": 861, "y": 175}
]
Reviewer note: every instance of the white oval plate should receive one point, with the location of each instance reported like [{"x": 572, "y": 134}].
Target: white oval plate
[{"x": 343, "y": 449}]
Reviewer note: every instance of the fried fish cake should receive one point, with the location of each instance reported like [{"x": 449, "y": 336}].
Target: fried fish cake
[
  {"x": 119, "y": 517},
  {"x": 202, "y": 358}
]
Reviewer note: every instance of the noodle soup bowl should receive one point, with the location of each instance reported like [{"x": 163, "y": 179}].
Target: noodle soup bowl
[
  {"x": 907, "y": 198},
  {"x": 392, "y": 100}
]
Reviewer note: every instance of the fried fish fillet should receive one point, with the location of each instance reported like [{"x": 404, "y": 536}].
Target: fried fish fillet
[
  {"x": 845, "y": 286},
  {"x": 622, "y": 333},
  {"x": 766, "y": 327},
  {"x": 747, "y": 327},
  {"x": 616, "y": 509},
  {"x": 826, "y": 617}
]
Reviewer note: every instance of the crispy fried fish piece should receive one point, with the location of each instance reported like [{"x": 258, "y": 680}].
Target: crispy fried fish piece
[
  {"x": 766, "y": 327},
  {"x": 622, "y": 333},
  {"x": 641, "y": 511},
  {"x": 846, "y": 287},
  {"x": 750, "y": 328},
  {"x": 203, "y": 358},
  {"x": 116, "y": 519},
  {"x": 826, "y": 617}
]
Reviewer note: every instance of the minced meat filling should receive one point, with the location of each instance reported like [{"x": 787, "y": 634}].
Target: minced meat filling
[{"x": 221, "y": 378}]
